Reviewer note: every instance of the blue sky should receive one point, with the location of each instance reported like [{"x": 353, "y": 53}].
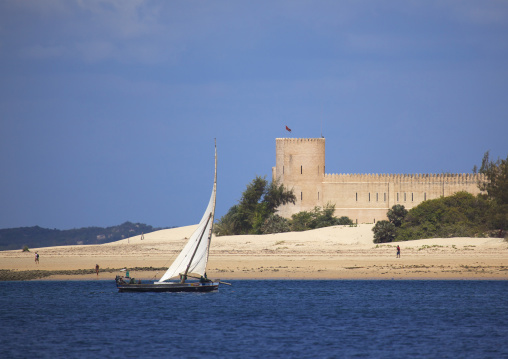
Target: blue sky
[{"x": 109, "y": 109}]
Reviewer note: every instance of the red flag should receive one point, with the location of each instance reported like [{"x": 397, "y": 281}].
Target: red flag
[{"x": 288, "y": 129}]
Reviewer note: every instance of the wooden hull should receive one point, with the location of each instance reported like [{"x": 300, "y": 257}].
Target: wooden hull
[{"x": 169, "y": 287}]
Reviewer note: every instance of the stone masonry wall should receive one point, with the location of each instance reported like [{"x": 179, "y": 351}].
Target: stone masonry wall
[{"x": 365, "y": 198}]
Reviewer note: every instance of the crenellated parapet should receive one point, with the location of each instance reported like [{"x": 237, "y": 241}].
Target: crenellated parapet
[
  {"x": 299, "y": 140},
  {"x": 465, "y": 178},
  {"x": 299, "y": 160},
  {"x": 300, "y": 166}
]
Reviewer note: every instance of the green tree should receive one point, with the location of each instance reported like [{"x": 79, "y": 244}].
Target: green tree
[
  {"x": 496, "y": 187},
  {"x": 248, "y": 207},
  {"x": 384, "y": 232},
  {"x": 345, "y": 221},
  {"x": 302, "y": 221},
  {"x": 276, "y": 195},
  {"x": 227, "y": 225},
  {"x": 275, "y": 224},
  {"x": 496, "y": 174},
  {"x": 317, "y": 218},
  {"x": 324, "y": 217},
  {"x": 460, "y": 215},
  {"x": 259, "y": 201},
  {"x": 396, "y": 214}
]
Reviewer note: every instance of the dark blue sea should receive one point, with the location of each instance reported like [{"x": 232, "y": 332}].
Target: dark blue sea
[{"x": 257, "y": 319}]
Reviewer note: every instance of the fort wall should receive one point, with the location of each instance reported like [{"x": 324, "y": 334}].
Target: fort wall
[{"x": 365, "y": 198}]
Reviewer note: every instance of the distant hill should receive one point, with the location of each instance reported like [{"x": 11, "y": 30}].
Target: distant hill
[{"x": 33, "y": 237}]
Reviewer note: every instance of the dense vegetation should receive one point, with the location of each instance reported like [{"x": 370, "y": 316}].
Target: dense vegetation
[
  {"x": 384, "y": 231},
  {"x": 496, "y": 189},
  {"x": 255, "y": 213},
  {"x": 318, "y": 218},
  {"x": 304, "y": 220},
  {"x": 259, "y": 202},
  {"x": 32, "y": 237},
  {"x": 460, "y": 215}
]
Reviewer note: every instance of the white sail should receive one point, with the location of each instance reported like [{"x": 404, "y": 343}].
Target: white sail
[{"x": 194, "y": 256}]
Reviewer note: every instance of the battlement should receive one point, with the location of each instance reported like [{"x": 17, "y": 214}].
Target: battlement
[
  {"x": 298, "y": 140},
  {"x": 365, "y": 198},
  {"x": 465, "y": 178}
]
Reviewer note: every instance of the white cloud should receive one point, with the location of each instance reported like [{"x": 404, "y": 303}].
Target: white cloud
[
  {"x": 122, "y": 19},
  {"x": 154, "y": 32},
  {"x": 91, "y": 31}
]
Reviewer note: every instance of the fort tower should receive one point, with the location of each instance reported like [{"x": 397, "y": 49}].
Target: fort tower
[
  {"x": 365, "y": 198},
  {"x": 300, "y": 165}
]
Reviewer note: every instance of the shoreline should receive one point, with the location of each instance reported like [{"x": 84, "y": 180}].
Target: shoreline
[
  {"x": 76, "y": 278},
  {"x": 332, "y": 253},
  {"x": 35, "y": 275},
  {"x": 430, "y": 278}
]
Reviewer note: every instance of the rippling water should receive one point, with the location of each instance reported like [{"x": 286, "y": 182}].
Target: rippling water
[{"x": 252, "y": 319}]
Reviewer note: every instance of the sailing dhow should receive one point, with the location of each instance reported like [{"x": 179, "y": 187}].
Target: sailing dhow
[{"x": 190, "y": 263}]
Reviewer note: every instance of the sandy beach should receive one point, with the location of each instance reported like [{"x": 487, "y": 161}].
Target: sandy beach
[{"x": 339, "y": 252}]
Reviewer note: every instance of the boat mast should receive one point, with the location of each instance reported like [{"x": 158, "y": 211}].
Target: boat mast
[
  {"x": 214, "y": 200},
  {"x": 211, "y": 216}
]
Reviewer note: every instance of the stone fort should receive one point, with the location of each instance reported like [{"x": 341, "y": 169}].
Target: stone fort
[{"x": 365, "y": 198}]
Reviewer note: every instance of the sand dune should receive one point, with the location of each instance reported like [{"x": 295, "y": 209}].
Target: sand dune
[{"x": 338, "y": 252}]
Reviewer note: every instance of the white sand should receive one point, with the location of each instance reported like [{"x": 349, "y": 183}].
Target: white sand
[{"x": 339, "y": 252}]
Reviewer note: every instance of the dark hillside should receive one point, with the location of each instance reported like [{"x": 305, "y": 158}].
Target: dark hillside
[{"x": 33, "y": 237}]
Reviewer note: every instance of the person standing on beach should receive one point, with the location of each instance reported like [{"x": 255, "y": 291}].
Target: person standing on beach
[
  {"x": 398, "y": 252},
  {"x": 97, "y": 269},
  {"x": 36, "y": 258}
]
